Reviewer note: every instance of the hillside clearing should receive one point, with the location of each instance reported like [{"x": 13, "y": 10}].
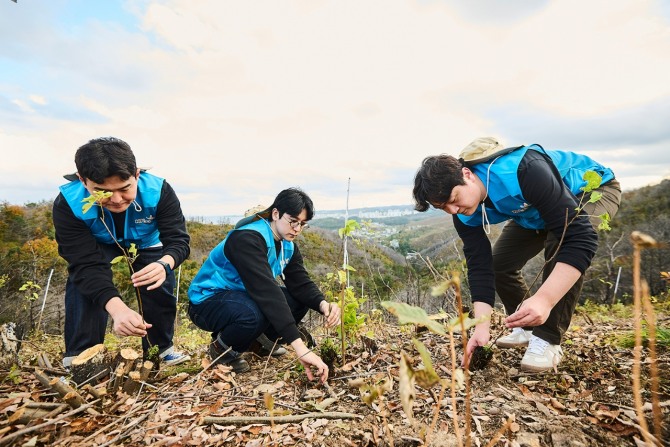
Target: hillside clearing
[{"x": 588, "y": 403}]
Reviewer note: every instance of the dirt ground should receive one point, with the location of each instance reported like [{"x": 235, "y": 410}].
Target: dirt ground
[{"x": 588, "y": 402}]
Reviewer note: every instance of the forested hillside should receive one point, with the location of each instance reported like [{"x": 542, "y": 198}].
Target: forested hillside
[
  {"x": 29, "y": 260},
  {"x": 588, "y": 402}
]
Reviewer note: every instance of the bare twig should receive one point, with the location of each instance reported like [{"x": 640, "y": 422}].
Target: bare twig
[
  {"x": 27, "y": 430},
  {"x": 243, "y": 420}
]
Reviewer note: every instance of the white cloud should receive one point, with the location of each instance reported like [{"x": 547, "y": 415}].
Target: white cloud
[{"x": 232, "y": 101}]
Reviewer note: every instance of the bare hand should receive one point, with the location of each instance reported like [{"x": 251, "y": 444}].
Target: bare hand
[
  {"x": 532, "y": 312},
  {"x": 310, "y": 360},
  {"x": 152, "y": 276},
  {"x": 127, "y": 322},
  {"x": 332, "y": 313},
  {"x": 480, "y": 337}
]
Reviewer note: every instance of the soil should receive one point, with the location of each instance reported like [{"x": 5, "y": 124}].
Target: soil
[{"x": 588, "y": 401}]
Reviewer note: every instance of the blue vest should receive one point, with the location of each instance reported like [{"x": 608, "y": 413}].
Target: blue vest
[
  {"x": 218, "y": 274},
  {"x": 502, "y": 183},
  {"x": 140, "y": 227}
]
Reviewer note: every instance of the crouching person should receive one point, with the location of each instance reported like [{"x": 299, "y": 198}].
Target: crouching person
[{"x": 237, "y": 298}]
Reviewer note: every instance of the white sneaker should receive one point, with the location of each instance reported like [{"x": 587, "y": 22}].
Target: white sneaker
[
  {"x": 518, "y": 337},
  {"x": 541, "y": 355}
]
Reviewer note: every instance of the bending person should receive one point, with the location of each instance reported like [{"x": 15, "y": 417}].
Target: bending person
[
  {"x": 236, "y": 295},
  {"x": 536, "y": 191},
  {"x": 143, "y": 210}
]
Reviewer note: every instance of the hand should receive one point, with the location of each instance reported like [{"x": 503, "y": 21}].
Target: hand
[
  {"x": 152, "y": 276},
  {"x": 480, "y": 337},
  {"x": 308, "y": 359},
  {"x": 532, "y": 312},
  {"x": 127, "y": 322},
  {"x": 332, "y": 313}
]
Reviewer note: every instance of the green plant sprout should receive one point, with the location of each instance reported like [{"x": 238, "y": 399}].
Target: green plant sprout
[
  {"x": 30, "y": 289},
  {"x": 129, "y": 255},
  {"x": 351, "y": 321}
]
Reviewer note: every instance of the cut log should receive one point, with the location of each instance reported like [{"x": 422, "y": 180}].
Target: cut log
[
  {"x": 90, "y": 363},
  {"x": 9, "y": 347},
  {"x": 74, "y": 399},
  {"x": 128, "y": 357},
  {"x": 145, "y": 371},
  {"x": 24, "y": 415},
  {"x": 117, "y": 380},
  {"x": 97, "y": 393},
  {"x": 43, "y": 361},
  {"x": 64, "y": 390},
  {"x": 132, "y": 383}
]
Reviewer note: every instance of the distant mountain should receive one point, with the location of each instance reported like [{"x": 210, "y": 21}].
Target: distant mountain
[{"x": 334, "y": 219}]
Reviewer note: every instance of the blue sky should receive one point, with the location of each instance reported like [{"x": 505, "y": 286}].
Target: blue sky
[{"x": 234, "y": 101}]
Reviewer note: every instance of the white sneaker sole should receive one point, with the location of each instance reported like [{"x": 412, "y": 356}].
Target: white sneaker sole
[
  {"x": 184, "y": 359},
  {"x": 533, "y": 368},
  {"x": 509, "y": 344}
]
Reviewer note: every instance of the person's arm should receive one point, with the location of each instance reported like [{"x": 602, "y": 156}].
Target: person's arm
[
  {"x": 89, "y": 270},
  {"x": 247, "y": 252},
  {"x": 172, "y": 233},
  {"x": 479, "y": 260},
  {"x": 302, "y": 288},
  {"x": 543, "y": 188}
]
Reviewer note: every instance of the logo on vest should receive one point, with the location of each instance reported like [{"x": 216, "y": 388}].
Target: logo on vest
[
  {"x": 522, "y": 208},
  {"x": 145, "y": 220}
]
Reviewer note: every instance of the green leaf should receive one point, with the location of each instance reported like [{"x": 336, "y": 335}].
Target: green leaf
[
  {"x": 593, "y": 180},
  {"x": 595, "y": 196},
  {"x": 349, "y": 226},
  {"x": 94, "y": 199},
  {"x": 342, "y": 276},
  {"x": 133, "y": 250},
  {"x": 426, "y": 377},
  {"x": 455, "y": 323},
  {"x": 413, "y": 315},
  {"x": 604, "y": 222},
  {"x": 117, "y": 259},
  {"x": 87, "y": 206}
]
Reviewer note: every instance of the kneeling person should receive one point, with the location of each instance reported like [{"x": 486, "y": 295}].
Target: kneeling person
[{"x": 236, "y": 297}]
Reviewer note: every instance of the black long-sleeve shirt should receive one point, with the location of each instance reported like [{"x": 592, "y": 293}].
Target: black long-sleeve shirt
[
  {"x": 89, "y": 268},
  {"x": 247, "y": 252},
  {"x": 542, "y": 187}
]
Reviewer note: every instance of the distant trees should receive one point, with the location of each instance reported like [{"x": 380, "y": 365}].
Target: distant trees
[{"x": 28, "y": 252}]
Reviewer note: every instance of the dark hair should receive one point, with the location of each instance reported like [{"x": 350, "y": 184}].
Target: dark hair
[
  {"x": 105, "y": 157},
  {"x": 435, "y": 179},
  {"x": 293, "y": 201}
]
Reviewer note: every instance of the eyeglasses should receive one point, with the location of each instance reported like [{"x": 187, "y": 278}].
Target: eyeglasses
[{"x": 296, "y": 224}]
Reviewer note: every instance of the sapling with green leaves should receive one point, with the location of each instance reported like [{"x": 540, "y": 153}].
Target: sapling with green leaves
[
  {"x": 30, "y": 290},
  {"x": 336, "y": 288}
]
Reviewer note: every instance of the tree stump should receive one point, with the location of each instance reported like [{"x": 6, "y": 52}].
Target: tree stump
[
  {"x": 89, "y": 363},
  {"x": 128, "y": 357},
  {"x": 9, "y": 347}
]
